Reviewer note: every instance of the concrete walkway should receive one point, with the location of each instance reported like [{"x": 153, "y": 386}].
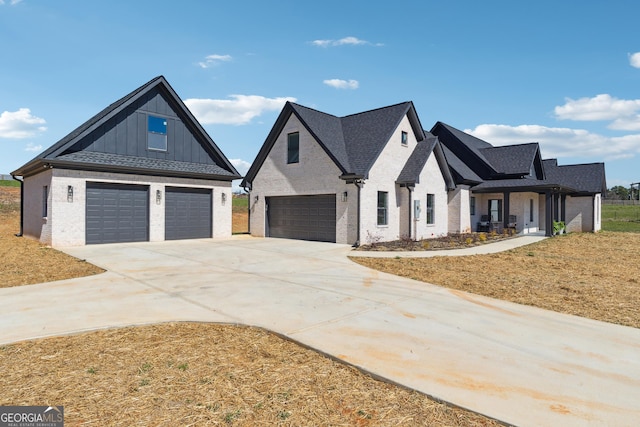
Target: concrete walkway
[{"x": 518, "y": 364}]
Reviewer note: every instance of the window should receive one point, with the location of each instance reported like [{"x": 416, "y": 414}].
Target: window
[
  {"x": 157, "y": 133},
  {"x": 293, "y": 148},
  {"x": 45, "y": 201},
  {"x": 431, "y": 201},
  {"x": 530, "y": 210},
  {"x": 404, "y": 138},
  {"x": 472, "y": 205},
  {"x": 383, "y": 200},
  {"x": 495, "y": 210}
]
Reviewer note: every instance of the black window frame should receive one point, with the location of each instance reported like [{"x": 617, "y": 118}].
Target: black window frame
[
  {"x": 293, "y": 148},
  {"x": 153, "y": 133},
  {"x": 531, "y": 210},
  {"x": 499, "y": 210},
  {"x": 472, "y": 205},
  {"x": 404, "y": 139},
  {"x": 431, "y": 209},
  {"x": 45, "y": 201},
  {"x": 382, "y": 211}
]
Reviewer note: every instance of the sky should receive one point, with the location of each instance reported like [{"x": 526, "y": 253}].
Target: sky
[{"x": 565, "y": 74}]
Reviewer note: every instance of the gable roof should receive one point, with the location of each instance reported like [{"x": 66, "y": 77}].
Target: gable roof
[
  {"x": 58, "y": 155},
  {"x": 353, "y": 142},
  {"x": 586, "y": 178},
  {"x": 410, "y": 174},
  {"x": 512, "y": 159},
  {"x": 463, "y": 174},
  {"x": 467, "y": 148}
]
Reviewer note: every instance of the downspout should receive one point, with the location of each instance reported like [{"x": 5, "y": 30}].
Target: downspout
[
  {"x": 248, "y": 191},
  {"x": 21, "y": 181},
  {"x": 410, "y": 216}
]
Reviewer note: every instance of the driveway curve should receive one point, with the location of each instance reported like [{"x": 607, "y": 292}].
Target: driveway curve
[{"x": 518, "y": 364}]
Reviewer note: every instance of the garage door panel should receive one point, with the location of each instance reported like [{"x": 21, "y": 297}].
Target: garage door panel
[
  {"x": 117, "y": 213},
  {"x": 188, "y": 213},
  {"x": 302, "y": 217}
]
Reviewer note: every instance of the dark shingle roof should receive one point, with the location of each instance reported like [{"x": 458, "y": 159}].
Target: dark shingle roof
[
  {"x": 584, "y": 178},
  {"x": 512, "y": 159},
  {"x": 354, "y": 142},
  {"x": 91, "y": 159},
  {"x": 465, "y": 174},
  {"x": 410, "y": 174},
  {"x": 57, "y": 151}
]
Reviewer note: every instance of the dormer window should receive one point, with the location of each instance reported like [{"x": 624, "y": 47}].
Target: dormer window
[
  {"x": 293, "y": 148},
  {"x": 157, "y": 133},
  {"x": 404, "y": 138}
]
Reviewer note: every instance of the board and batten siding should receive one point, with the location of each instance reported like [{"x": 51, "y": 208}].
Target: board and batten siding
[{"x": 126, "y": 133}]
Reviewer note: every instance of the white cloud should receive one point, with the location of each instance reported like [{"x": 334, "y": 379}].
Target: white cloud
[
  {"x": 213, "y": 60},
  {"x": 342, "y": 84},
  {"x": 242, "y": 166},
  {"x": 12, "y": 2},
  {"x": 239, "y": 110},
  {"x": 622, "y": 112},
  {"x": 20, "y": 124},
  {"x": 32, "y": 147},
  {"x": 634, "y": 60},
  {"x": 560, "y": 142},
  {"x": 354, "y": 41}
]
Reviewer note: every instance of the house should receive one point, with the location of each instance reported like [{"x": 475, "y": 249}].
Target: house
[
  {"x": 513, "y": 187},
  {"x": 378, "y": 176},
  {"x": 371, "y": 176},
  {"x": 142, "y": 169}
]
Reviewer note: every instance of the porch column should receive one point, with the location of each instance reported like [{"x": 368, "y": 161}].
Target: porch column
[
  {"x": 548, "y": 214},
  {"x": 505, "y": 218},
  {"x": 556, "y": 206},
  {"x": 563, "y": 205}
]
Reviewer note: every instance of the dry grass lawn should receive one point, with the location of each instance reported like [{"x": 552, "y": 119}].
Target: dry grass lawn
[
  {"x": 202, "y": 374},
  {"x": 585, "y": 274},
  {"x": 24, "y": 261},
  {"x": 186, "y": 373}
]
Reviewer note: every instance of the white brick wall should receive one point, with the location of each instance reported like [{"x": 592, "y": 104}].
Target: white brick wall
[
  {"x": 432, "y": 182},
  {"x": 580, "y": 214},
  {"x": 65, "y": 225},
  {"x": 315, "y": 173}
]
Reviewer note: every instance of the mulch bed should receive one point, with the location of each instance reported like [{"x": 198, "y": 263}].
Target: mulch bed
[{"x": 451, "y": 241}]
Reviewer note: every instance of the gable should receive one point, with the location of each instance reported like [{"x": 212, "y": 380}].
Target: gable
[{"x": 118, "y": 138}]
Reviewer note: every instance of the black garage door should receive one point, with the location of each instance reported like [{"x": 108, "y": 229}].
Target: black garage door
[
  {"x": 117, "y": 213},
  {"x": 302, "y": 217},
  {"x": 187, "y": 213}
]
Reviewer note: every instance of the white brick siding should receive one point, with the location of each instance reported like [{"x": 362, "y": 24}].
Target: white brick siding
[{"x": 65, "y": 225}]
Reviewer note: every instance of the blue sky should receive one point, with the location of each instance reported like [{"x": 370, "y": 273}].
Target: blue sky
[{"x": 565, "y": 73}]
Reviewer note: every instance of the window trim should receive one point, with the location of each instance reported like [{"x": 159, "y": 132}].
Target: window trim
[
  {"x": 384, "y": 209},
  {"x": 290, "y": 159},
  {"x": 472, "y": 205},
  {"x": 431, "y": 209},
  {"x": 153, "y": 132},
  {"x": 500, "y": 213},
  {"x": 404, "y": 139}
]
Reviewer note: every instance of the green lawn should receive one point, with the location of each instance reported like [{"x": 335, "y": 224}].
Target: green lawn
[
  {"x": 621, "y": 218},
  {"x": 11, "y": 183}
]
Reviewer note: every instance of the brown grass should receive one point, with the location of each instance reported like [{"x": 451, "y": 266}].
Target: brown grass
[
  {"x": 585, "y": 274},
  {"x": 24, "y": 261},
  {"x": 203, "y": 374}
]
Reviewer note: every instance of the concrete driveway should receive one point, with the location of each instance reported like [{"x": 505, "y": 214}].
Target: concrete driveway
[{"x": 518, "y": 364}]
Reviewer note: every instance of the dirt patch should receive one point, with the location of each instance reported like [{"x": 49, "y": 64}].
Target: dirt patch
[
  {"x": 24, "y": 261},
  {"x": 202, "y": 374},
  {"x": 585, "y": 274}
]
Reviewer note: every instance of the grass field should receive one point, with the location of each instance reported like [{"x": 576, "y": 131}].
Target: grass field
[
  {"x": 7, "y": 183},
  {"x": 621, "y": 218},
  {"x": 240, "y": 214}
]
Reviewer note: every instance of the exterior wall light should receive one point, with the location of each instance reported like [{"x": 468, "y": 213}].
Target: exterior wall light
[
  {"x": 158, "y": 197},
  {"x": 70, "y": 193},
  {"x": 224, "y": 198},
  {"x": 256, "y": 199},
  {"x": 344, "y": 196}
]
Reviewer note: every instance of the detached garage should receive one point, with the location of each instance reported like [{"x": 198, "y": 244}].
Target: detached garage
[
  {"x": 302, "y": 217},
  {"x": 143, "y": 169}
]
